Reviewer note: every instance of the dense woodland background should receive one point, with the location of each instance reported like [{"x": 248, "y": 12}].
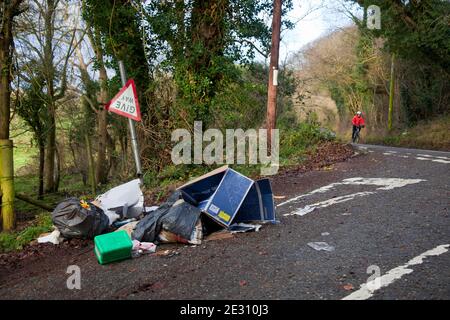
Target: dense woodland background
[{"x": 206, "y": 60}]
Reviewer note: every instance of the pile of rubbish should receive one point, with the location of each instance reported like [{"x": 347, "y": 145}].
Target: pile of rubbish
[{"x": 222, "y": 201}]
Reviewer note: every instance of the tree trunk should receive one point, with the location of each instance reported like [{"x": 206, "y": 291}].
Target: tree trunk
[
  {"x": 208, "y": 29},
  {"x": 36, "y": 203},
  {"x": 50, "y": 185},
  {"x": 57, "y": 168},
  {"x": 102, "y": 117},
  {"x": 9, "y": 10},
  {"x": 91, "y": 170},
  {"x": 5, "y": 90},
  {"x": 41, "y": 169},
  {"x": 7, "y": 184},
  {"x": 102, "y": 166}
]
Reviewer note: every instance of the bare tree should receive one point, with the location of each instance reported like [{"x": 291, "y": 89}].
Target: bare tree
[{"x": 47, "y": 35}]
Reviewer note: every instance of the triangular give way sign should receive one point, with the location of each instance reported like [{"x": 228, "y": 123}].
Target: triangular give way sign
[{"x": 125, "y": 103}]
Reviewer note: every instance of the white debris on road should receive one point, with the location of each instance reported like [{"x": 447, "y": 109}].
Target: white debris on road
[{"x": 321, "y": 246}]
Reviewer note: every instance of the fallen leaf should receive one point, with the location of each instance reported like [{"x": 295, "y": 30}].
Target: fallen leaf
[{"x": 348, "y": 287}]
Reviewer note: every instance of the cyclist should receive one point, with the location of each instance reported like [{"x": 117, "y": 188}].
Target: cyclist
[{"x": 358, "y": 123}]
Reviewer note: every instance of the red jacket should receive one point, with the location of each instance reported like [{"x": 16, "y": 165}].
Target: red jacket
[{"x": 358, "y": 121}]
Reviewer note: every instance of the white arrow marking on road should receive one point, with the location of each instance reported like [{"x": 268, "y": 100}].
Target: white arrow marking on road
[
  {"x": 383, "y": 183},
  {"x": 367, "y": 290},
  {"x": 327, "y": 203}
]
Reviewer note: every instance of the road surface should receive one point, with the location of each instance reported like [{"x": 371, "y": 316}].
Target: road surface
[{"x": 384, "y": 214}]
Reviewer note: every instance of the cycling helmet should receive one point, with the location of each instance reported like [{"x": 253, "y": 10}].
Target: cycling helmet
[{"x": 359, "y": 113}]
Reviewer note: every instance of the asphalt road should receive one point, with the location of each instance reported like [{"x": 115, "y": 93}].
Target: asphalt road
[{"x": 385, "y": 212}]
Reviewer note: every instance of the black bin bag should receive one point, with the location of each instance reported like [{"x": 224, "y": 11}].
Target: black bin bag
[
  {"x": 75, "y": 221},
  {"x": 178, "y": 215}
]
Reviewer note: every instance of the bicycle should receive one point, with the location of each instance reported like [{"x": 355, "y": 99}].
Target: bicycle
[{"x": 356, "y": 137}]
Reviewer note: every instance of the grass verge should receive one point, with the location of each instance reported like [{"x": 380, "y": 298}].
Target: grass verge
[
  {"x": 10, "y": 241},
  {"x": 432, "y": 134}
]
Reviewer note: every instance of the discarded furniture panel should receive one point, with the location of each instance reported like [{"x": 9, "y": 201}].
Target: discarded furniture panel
[{"x": 230, "y": 197}]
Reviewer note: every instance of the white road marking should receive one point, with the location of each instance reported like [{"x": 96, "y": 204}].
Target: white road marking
[
  {"x": 435, "y": 157},
  {"x": 423, "y": 157},
  {"x": 440, "y": 161},
  {"x": 327, "y": 203},
  {"x": 367, "y": 290},
  {"x": 383, "y": 183},
  {"x": 434, "y": 160}
]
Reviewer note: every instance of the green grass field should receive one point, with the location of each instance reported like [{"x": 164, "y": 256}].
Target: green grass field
[{"x": 25, "y": 151}]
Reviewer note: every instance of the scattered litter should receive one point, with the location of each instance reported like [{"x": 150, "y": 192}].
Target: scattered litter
[
  {"x": 346, "y": 214},
  {"x": 279, "y": 197},
  {"x": 123, "y": 201},
  {"x": 324, "y": 234},
  {"x": 79, "y": 219},
  {"x": 150, "y": 209},
  {"x": 140, "y": 248},
  {"x": 220, "y": 235},
  {"x": 167, "y": 253},
  {"x": 129, "y": 227},
  {"x": 244, "y": 227},
  {"x": 146, "y": 247},
  {"x": 121, "y": 223},
  {"x": 307, "y": 209},
  {"x": 54, "y": 237},
  {"x": 348, "y": 287},
  {"x": 176, "y": 216},
  {"x": 112, "y": 247},
  {"x": 214, "y": 206},
  {"x": 243, "y": 283},
  {"x": 319, "y": 246}
]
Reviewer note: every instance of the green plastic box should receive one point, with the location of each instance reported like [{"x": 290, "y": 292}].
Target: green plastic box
[{"x": 114, "y": 246}]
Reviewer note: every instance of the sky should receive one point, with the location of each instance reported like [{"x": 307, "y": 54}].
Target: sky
[{"x": 316, "y": 18}]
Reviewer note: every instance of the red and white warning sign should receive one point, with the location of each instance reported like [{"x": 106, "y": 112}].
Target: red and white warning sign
[{"x": 126, "y": 103}]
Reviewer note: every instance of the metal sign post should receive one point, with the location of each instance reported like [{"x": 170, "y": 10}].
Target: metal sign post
[{"x": 134, "y": 142}]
